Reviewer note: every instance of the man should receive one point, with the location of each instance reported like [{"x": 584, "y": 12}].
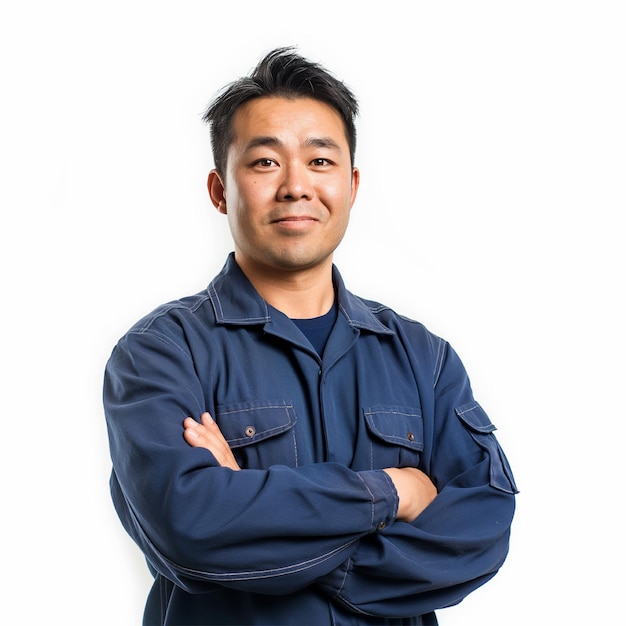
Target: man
[{"x": 284, "y": 452}]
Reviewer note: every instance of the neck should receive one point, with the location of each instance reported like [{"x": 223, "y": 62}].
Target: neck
[{"x": 299, "y": 294}]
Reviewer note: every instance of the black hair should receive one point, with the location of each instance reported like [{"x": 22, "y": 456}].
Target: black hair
[{"x": 281, "y": 73}]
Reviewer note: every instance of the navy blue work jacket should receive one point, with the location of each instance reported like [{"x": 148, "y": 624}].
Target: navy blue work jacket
[{"x": 306, "y": 533}]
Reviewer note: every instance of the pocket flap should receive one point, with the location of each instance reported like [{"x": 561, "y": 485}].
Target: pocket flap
[
  {"x": 481, "y": 430},
  {"x": 397, "y": 425},
  {"x": 246, "y": 423},
  {"x": 475, "y": 417}
]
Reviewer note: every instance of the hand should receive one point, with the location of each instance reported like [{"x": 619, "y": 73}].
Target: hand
[
  {"x": 208, "y": 435},
  {"x": 415, "y": 491}
]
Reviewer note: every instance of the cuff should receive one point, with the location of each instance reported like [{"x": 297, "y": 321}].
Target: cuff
[{"x": 384, "y": 498}]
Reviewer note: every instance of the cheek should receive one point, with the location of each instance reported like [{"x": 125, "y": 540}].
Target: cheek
[
  {"x": 254, "y": 196},
  {"x": 242, "y": 217},
  {"x": 338, "y": 191},
  {"x": 341, "y": 200}
]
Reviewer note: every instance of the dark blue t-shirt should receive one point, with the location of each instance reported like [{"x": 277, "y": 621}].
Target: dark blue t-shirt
[{"x": 317, "y": 329}]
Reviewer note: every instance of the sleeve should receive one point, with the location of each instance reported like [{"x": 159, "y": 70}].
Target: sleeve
[
  {"x": 461, "y": 540},
  {"x": 200, "y": 524}
]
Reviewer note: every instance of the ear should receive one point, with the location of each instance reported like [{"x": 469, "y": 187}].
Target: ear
[
  {"x": 356, "y": 178},
  {"x": 217, "y": 191}
]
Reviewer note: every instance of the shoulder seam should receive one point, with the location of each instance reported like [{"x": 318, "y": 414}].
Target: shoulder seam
[{"x": 439, "y": 357}]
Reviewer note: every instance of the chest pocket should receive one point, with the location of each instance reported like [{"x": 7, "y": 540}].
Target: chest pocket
[
  {"x": 260, "y": 434},
  {"x": 396, "y": 436}
]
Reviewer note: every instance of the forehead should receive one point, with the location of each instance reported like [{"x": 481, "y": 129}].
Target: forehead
[{"x": 284, "y": 117}]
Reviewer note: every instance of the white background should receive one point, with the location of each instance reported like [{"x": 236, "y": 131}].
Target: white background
[{"x": 492, "y": 144}]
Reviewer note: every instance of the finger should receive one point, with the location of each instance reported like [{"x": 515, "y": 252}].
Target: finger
[
  {"x": 206, "y": 419},
  {"x": 189, "y": 422},
  {"x": 194, "y": 433},
  {"x": 192, "y": 437}
]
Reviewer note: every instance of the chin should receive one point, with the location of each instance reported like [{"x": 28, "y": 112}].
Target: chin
[{"x": 295, "y": 262}]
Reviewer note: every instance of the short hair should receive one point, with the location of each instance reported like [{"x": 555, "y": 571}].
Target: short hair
[{"x": 280, "y": 73}]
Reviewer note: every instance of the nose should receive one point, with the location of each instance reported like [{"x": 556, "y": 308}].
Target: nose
[{"x": 295, "y": 183}]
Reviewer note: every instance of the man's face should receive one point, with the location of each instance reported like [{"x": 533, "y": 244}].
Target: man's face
[{"x": 289, "y": 184}]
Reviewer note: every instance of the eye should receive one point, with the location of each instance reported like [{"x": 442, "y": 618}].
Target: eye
[
  {"x": 264, "y": 162},
  {"x": 321, "y": 162}
]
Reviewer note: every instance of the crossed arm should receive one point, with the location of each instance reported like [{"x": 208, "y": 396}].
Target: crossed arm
[{"x": 414, "y": 488}]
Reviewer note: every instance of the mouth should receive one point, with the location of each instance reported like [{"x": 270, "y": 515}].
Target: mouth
[
  {"x": 294, "y": 218},
  {"x": 294, "y": 222}
]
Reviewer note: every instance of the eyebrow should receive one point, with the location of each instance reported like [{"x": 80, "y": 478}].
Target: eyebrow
[
  {"x": 311, "y": 142},
  {"x": 322, "y": 142}
]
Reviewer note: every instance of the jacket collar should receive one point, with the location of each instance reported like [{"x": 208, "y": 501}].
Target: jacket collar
[{"x": 236, "y": 301}]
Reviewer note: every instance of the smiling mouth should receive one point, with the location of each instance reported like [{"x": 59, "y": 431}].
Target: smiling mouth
[
  {"x": 295, "y": 218},
  {"x": 294, "y": 224}
]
